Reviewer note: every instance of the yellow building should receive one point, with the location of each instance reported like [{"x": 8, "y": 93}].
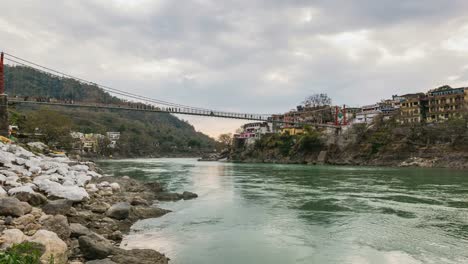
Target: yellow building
[
  {"x": 292, "y": 131},
  {"x": 412, "y": 108},
  {"x": 446, "y": 102}
]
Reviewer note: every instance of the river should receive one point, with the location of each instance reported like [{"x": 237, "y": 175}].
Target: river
[{"x": 279, "y": 214}]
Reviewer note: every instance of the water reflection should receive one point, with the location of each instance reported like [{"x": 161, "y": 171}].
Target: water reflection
[{"x": 260, "y": 213}]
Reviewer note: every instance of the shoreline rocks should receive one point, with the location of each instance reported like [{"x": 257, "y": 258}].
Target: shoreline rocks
[{"x": 73, "y": 212}]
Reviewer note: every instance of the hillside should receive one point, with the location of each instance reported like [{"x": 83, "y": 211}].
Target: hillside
[
  {"x": 142, "y": 133},
  {"x": 384, "y": 143}
]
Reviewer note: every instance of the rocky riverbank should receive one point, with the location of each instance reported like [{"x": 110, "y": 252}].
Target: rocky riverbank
[{"x": 70, "y": 210}]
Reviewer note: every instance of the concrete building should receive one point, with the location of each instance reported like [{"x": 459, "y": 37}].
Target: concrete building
[
  {"x": 113, "y": 138},
  {"x": 367, "y": 114},
  {"x": 445, "y": 103},
  {"x": 413, "y": 108},
  {"x": 252, "y": 131}
]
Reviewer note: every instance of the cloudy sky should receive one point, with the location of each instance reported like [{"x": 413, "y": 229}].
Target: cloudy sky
[{"x": 261, "y": 56}]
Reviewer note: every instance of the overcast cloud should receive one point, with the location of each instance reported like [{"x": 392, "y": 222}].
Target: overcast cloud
[{"x": 259, "y": 56}]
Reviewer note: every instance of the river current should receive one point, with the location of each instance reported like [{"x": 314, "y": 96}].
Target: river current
[{"x": 280, "y": 214}]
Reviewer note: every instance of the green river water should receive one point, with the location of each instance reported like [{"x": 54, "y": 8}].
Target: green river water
[{"x": 263, "y": 213}]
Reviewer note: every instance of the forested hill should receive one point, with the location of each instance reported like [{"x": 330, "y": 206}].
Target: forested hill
[{"x": 143, "y": 133}]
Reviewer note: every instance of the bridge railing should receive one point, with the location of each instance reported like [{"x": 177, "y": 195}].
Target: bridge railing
[{"x": 164, "y": 109}]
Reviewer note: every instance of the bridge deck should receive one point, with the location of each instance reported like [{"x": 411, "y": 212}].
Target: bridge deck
[{"x": 175, "y": 110}]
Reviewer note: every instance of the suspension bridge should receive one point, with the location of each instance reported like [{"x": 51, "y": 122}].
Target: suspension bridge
[{"x": 125, "y": 100}]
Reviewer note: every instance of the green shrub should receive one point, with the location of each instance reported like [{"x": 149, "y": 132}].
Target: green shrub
[{"x": 24, "y": 253}]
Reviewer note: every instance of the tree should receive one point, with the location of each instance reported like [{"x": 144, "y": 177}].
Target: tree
[
  {"x": 225, "y": 139},
  {"x": 317, "y": 100},
  {"x": 54, "y": 126}
]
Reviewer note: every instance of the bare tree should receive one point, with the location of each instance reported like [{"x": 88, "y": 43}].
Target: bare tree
[{"x": 317, "y": 100}]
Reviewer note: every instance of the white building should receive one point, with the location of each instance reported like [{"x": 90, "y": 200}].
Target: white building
[
  {"x": 113, "y": 137},
  {"x": 252, "y": 131}
]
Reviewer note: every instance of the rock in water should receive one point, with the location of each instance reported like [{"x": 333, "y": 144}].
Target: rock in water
[
  {"x": 140, "y": 256},
  {"x": 167, "y": 196},
  {"x": 101, "y": 261},
  {"x": 142, "y": 212},
  {"x": 55, "y": 248},
  {"x": 61, "y": 207},
  {"x": 189, "y": 195},
  {"x": 119, "y": 211},
  {"x": 13, "y": 207},
  {"x": 94, "y": 246}
]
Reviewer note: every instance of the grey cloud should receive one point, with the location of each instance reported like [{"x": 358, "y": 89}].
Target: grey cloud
[{"x": 244, "y": 55}]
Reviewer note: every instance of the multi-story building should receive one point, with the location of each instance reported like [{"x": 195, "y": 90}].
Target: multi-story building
[
  {"x": 252, "y": 131},
  {"x": 446, "y": 102},
  {"x": 303, "y": 114},
  {"x": 113, "y": 138},
  {"x": 413, "y": 108}
]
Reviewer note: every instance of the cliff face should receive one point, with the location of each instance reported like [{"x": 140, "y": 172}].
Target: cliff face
[{"x": 384, "y": 143}]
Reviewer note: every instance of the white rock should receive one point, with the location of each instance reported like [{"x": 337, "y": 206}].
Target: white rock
[
  {"x": 91, "y": 188},
  {"x": 48, "y": 172},
  {"x": 79, "y": 168},
  {"x": 35, "y": 170},
  {"x": 20, "y": 170},
  {"x": 115, "y": 187},
  {"x": 72, "y": 193},
  {"x": 34, "y": 162},
  {"x": 7, "y": 173},
  {"x": 12, "y": 237},
  {"x": 103, "y": 184},
  {"x": 94, "y": 174},
  {"x": 25, "y": 188},
  {"x": 81, "y": 179},
  {"x": 20, "y": 161},
  {"x": 62, "y": 170},
  {"x": 7, "y": 158},
  {"x": 38, "y": 145},
  {"x": 54, "y": 247},
  {"x": 21, "y": 152},
  {"x": 3, "y": 193},
  {"x": 2, "y": 178},
  {"x": 47, "y": 165}
]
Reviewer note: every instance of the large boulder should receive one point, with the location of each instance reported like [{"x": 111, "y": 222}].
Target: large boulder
[
  {"x": 55, "y": 189},
  {"x": 77, "y": 230},
  {"x": 57, "y": 224},
  {"x": 11, "y": 237},
  {"x": 99, "y": 207},
  {"x": 140, "y": 256},
  {"x": 32, "y": 198},
  {"x": 61, "y": 207},
  {"x": 143, "y": 212},
  {"x": 189, "y": 195},
  {"x": 10, "y": 206},
  {"x": 101, "y": 261},
  {"x": 168, "y": 196},
  {"x": 119, "y": 211},
  {"x": 94, "y": 246},
  {"x": 3, "y": 193},
  {"x": 55, "y": 248},
  {"x": 38, "y": 146},
  {"x": 24, "y": 220}
]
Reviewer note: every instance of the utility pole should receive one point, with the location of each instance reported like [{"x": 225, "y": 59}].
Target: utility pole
[
  {"x": 344, "y": 116},
  {"x": 3, "y": 101},
  {"x": 336, "y": 115}
]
